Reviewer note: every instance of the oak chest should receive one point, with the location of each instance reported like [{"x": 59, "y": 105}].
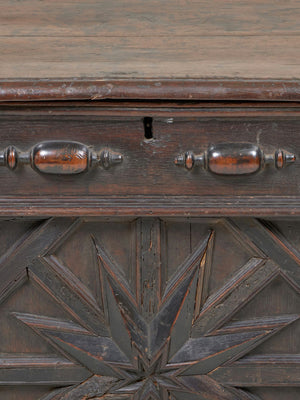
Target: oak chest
[{"x": 149, "y": 200}]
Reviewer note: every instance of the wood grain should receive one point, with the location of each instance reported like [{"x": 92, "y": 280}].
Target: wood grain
[
  {"x": 145, "y": 58},
  {"x": 151, "y": 18},
  {"x": 108, "y": 42},
  {"x": 154, "y": 299}
]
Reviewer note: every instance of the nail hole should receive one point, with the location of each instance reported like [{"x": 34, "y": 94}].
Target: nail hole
[{"x": 148, "y": 127}]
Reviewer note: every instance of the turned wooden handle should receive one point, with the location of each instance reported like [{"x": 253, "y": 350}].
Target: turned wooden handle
[
  {"x": 59, "y": 157},
  {"x": 235, "y": 159}
]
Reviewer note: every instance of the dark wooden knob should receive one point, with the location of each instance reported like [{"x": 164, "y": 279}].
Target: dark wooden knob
[
  {"x": 60, "y": 157},
  {"x": 235, "y": 159}
]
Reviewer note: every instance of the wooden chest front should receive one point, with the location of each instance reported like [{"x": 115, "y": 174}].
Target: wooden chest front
[{"x": 149, "y": 277}]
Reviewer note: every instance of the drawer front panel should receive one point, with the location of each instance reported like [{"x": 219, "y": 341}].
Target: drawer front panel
[{"x": 148, "y": 167}]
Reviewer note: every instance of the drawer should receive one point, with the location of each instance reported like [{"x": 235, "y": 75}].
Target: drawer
[{"x": 251, "y": 152}]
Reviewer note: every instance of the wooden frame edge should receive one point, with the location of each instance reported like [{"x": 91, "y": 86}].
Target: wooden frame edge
[
  {"x": 259, "y": 206},
  {"x": 150, "y": 89}
]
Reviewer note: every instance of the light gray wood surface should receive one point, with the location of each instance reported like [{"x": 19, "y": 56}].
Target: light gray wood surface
[{"x": 150, "y": 39}]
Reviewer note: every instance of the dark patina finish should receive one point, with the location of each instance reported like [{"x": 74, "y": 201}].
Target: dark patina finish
[{"x": 149, "y": 200}]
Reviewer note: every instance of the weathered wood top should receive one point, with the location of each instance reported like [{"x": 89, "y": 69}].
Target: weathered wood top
[{"x": 133, "y": 48}]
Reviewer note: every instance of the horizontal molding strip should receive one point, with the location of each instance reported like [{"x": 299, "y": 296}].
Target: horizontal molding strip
[
  {"x": 149, "y": 89},
  {"x": 151, "y": 206}
]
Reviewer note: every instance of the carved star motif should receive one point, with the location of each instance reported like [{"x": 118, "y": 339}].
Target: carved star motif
[
  {"x": 172, "y": 355},
  {"x": 149, "y": 379}
]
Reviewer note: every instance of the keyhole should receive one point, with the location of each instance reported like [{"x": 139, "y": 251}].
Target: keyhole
[{"x": 148, "y": 127}]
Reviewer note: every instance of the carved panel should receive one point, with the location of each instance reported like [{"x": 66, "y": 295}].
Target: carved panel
[{"x": 171, "y": 309}]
